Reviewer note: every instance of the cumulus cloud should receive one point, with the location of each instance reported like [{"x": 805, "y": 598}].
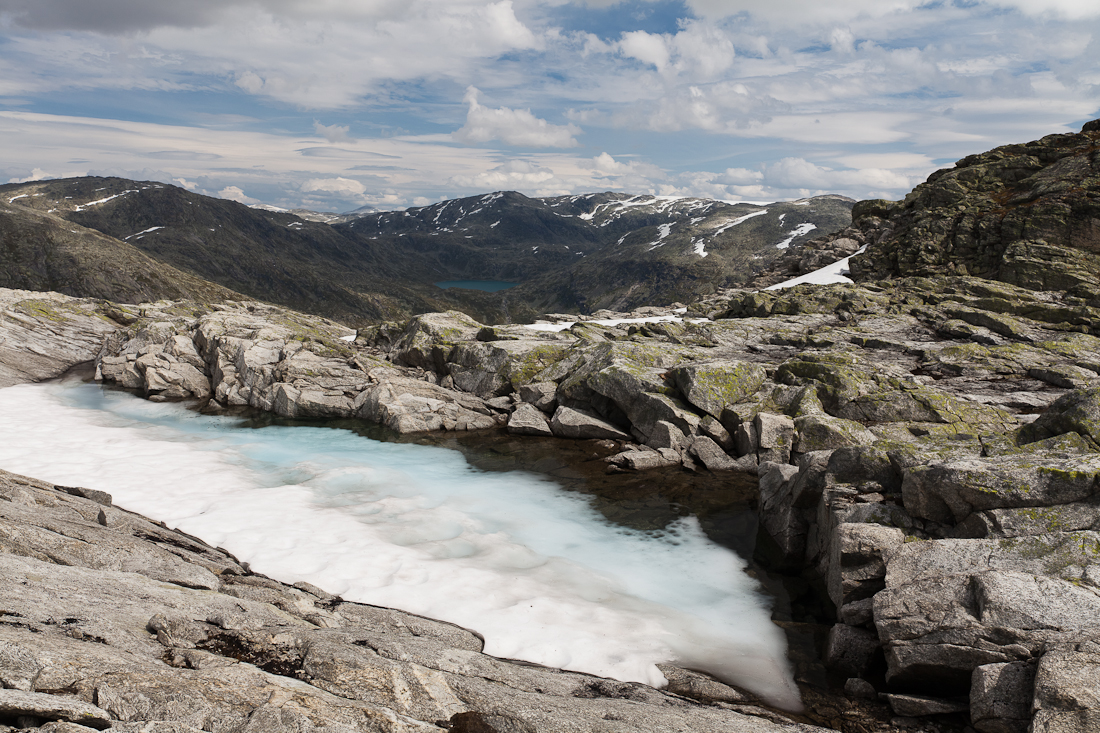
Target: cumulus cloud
[
  {"x": 514, "y": 174},
  {"x": 37, "y": 174},
  {"x": 321, "y": 54},
  {"x": 804, "y": 11},
  {"x": 111, "y": 16},
  {"x": 699, "y": 49},
  {"x": 234, "y": 193},
  {"x": 801, "y": 174},
  {"x": 606, "y": 166},
  {"x": 832, "y": 85},
  {"x": 333, "y": 133},
  {"x": 270, "y": 167},
  {"x": 511, "y": 126},
  {"x": 739, "y": 177},
  {"x": 337, "y": 185},
  {"x": 648, "y": 48},
  {"x": 792, "y": 178}
]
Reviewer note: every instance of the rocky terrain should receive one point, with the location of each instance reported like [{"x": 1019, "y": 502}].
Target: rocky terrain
[
  {"x": 109, "y": 620},
  {"x": 925, "y": 443},
  {"x": 1026, "y": 214},
  {"x": 138, "y": 241}
]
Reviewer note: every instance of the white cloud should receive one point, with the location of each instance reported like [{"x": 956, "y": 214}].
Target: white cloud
[
  {"x": 512, "y": 127},
  {"x": 648, "y": 48},
  {"x": 335, "y": 185},
  {"x": 842, "y": 40},
  {"x": 739, "y": 177},
  {"x": 234, "y": 193},
  {"x": 791, "y": 178},
  {"x": 700, "y": 50},
  {"x": 514, "y": 174},
  {"x": 316, "y": 55},
  {"x": 270, "y": 167},
  {"x": 801, "y": 174},
  {"x": 604, "y": 165},
  {"x": 333, "y": 133},
  {"x": 864, "y": 92},
  {"x": 37, "y": 174},
  {"x": 792, "y": 12}
]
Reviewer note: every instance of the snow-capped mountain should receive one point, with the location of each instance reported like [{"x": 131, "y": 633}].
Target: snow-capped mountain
[{"x": 579, "y": 253}]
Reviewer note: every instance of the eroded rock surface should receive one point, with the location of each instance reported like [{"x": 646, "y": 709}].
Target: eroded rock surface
[
  {"x": 44, "y": 334},
  {"x": 146, "y": 629}
]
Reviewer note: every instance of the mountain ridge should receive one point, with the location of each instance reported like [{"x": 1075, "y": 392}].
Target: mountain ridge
[{"x": 572, "y": 253}]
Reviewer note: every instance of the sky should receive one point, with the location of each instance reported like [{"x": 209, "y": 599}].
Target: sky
[{"x": 333, "y": 105}]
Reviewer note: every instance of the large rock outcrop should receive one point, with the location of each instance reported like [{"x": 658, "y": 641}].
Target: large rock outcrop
[
  {"x": 44, "y": 334},
  {"x": 1026, "y": 214}
]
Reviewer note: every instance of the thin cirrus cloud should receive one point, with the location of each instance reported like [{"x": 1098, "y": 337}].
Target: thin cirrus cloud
[{"x": 340, "y": 103}]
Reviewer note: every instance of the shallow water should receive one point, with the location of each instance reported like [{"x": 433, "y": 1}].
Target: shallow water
[
  {"x": 489, "y": 286},
  {"x": 538, "y": 570}
]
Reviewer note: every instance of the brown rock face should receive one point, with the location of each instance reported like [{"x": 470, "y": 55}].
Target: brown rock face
[{"x": 1026, "y": 214}]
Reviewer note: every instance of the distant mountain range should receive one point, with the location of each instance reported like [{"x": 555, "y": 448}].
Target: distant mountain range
[{"x": 130, "y": 240}]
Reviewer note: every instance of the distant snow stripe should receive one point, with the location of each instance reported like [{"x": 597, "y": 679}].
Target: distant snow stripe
[
  {"x": 797, "y": 232},
  {"x": 81, "y": 207},
  {"x": 735, "y": 222},
  {"x": 143, "y": 231}
]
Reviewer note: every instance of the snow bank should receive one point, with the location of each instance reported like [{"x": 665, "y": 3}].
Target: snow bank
[
  {"x": 828, "y": 275},
  {"x": 540, "y": 573}
]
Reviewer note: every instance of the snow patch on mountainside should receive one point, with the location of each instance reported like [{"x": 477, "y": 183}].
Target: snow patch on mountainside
[
  {"x": 142, "y": 232},
  {"x": 81, "y": 207},
  {"x": 735, "y": 222},
  {"x": 798, "y": 231},
  {"x": 662, "y": 231}
]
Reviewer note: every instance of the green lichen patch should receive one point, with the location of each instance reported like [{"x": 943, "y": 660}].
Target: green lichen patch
[
  {"x": 47, "y": 310},
  {"x": 523, "y": 367},
  {"x": 711, "y": 386}
]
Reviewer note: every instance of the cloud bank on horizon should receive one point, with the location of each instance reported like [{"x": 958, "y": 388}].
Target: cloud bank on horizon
[{"x": 336, "y": 104}]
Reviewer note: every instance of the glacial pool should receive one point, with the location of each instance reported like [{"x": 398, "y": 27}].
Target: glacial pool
[{"x": 540, "y": 572}]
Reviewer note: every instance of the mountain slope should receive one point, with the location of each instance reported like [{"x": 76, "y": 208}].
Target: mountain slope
[
  {"x": 41, "y": 251},
  {"x": 574, "y": 253},
  {"x": 604, "y": 250},
  {"x": 271, "y": 256}
]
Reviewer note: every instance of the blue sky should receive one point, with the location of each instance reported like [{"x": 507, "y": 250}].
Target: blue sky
[{"x": 337, "y": 104}]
